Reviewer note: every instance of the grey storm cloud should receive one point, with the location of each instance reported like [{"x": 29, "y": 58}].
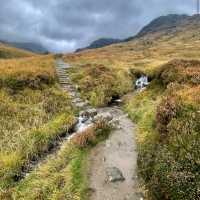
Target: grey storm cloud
[{"x": 64, "y": 25}]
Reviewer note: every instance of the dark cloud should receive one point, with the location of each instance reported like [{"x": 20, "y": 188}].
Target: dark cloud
[{"x": 64, "y": 25}]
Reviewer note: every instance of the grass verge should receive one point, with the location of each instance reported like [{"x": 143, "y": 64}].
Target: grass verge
[
  {"x": 34, "y": 113},
  {"x": 33, "y": 144},
  {"x": 63, "y": 175}
]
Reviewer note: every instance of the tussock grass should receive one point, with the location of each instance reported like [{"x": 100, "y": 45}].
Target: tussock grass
[
  {"x": 29, "y": 128},
  {"x": 92, "y": 135},
  {"x": 63, "y": 175},
  {"x": 27, "y": 72}
]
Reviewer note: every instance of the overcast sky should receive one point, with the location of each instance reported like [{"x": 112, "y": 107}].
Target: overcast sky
[{"x": 65, "y": 25}]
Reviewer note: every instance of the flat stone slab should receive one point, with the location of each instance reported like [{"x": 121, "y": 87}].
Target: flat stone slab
[
  {"x": 113, "y": 174},
  {"x": 81, "y": 105}
]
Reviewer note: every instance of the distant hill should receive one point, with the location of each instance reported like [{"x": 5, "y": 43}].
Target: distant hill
[
  {"x": 164, "y": 23},
  {"x": 7, "y": 52},
  {"x": 165, "y": 38},
  {"x": 29, "y": 46},
  {"x": 100, "y": 43},
  {"x": 161, "y": 24}
]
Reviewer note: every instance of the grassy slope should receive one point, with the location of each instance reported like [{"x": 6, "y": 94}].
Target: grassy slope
[
  {"x": 63, "y": 175},
  {"x": 124, "y": 60},
  {"x": 34, "y": 112},
  {"x": 27, "y": 72},
  {"x": 150, "y": 108},
  {"x": 167, "y": 114},
  {"x": 99, "y": 83},
  {"x": 7, "y": 52},
  {"x": 146, "y": 53}
]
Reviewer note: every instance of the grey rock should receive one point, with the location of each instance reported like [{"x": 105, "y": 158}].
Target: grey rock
[
  {"x": 114, "y": 123},
  {"x": 139, "y": 195},
  {"x": 114, "y": 175},
  {"x": 81, "y": 105},
  {"x": 89, "y": 113},
  {"x": 103, "y": 117},
  {"x": 77, "y": 100},
  {"x": 90, "y": 191}
]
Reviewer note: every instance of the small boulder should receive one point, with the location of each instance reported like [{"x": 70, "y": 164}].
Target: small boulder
[
  {"x": 107, "y": 117},
  {"x": 115, "y": 123},
  {"x": 81, "y": 105},
  {"x": 114, "y": 175},
  {"x": 90, "y": 113}
]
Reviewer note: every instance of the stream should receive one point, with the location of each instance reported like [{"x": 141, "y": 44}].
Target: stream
[{"x": 141, "y": 83}]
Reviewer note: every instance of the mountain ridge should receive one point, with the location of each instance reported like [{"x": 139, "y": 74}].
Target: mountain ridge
[
  {"x": 102, "y": 42},
  {"x": 28, "y": 46},
  {"x": 165, "y": 23}
]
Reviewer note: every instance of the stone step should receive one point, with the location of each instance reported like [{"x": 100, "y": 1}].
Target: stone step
[
  {"x": 64, "y": 78},
  {"x": 69, "y": 91},
  {"x": 65, "y": 82},
  {"x": 81, "y": 105},
  {"x": 59, "y": 67},
  {"x": 61, "y": 71},
  {"x": 62, "y": 74},
  {"x": 68, "y": 88},
  {"x": 77, "y": 100}
]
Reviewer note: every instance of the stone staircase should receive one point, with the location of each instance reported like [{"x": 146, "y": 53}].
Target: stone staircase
[{"x": 62, "y": 70}]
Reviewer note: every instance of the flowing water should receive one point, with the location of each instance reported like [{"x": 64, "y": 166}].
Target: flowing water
[{"x": 142, "y": 82}]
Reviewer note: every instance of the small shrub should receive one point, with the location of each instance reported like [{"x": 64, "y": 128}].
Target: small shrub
[
  {"x": 167, "y": 110},
  {"x": 85, "y": 138},
  {"x": 94, "y": 133},
  {"x": 180, "y": 71}
]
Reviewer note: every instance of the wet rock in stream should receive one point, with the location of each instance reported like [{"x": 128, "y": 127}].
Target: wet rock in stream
[{"x": 90, "y": 113}]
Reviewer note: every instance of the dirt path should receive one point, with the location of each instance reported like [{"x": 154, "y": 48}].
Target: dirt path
[
  {"x": 116, "y": 158},
  {"x": 118, "y": 151}
]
